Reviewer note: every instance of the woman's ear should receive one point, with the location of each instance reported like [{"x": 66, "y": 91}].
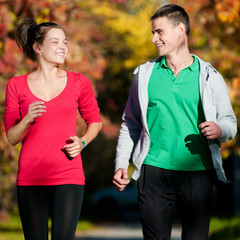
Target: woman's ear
[{"x": 37, "y": 48}]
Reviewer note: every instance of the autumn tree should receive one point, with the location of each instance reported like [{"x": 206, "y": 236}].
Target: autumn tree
[{"x": 107, "y": 40}]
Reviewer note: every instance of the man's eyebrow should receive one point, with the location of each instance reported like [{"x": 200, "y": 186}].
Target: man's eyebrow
[
  {"x": 156, "y": 30},
  {"x": 55, "y": 38}
]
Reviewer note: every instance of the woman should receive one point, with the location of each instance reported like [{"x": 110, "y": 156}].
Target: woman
[{"x": 41, "y": 112}]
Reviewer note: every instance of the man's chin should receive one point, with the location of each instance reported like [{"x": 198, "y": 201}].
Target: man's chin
[{"x": 161, "y": 54}]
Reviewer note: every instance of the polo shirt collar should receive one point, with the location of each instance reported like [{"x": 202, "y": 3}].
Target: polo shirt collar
[{"x": 193, "y": 67}]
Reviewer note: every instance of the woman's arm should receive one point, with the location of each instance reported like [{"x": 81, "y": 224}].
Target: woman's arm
[
  {"x": 16, "y": 133},
  {"x": 92, "y": 131}
]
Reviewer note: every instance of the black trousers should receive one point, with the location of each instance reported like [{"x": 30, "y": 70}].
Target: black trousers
[
  {"x": 161, "y": 192},
  {"x": 63, "y": 203}
]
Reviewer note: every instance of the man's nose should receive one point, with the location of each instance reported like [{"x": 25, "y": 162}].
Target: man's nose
[{"x": 154, "y": 38}]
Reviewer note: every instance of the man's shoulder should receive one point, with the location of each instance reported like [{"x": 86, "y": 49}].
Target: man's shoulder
[
  {"x": 147, "y": 65},
  {"x": 205, "y": 64}
]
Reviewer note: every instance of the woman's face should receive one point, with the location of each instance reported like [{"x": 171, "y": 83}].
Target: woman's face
[{"x": 54, "y": 48}]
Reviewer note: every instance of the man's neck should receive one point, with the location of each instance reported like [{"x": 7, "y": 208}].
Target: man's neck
[{"x": 178, "y": 63}]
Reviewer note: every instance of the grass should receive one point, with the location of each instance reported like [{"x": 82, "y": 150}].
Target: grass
[
  {"x": 220, "y": 228},
  {"x": 225, "y": 228},
  {"x": 12, "y": 229}
]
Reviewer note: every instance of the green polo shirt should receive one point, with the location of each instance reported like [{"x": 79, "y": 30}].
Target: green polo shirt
[{"x": 173, "y": 116}]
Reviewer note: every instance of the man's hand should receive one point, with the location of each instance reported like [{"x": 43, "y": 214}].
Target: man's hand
[
  {"x": 120, "y": 179},
  {"x": 210, "y": 130}
]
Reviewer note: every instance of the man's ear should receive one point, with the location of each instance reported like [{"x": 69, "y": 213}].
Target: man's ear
[
  {"x": 181, "y": 29},
  {"x": 37, "y": 48}
]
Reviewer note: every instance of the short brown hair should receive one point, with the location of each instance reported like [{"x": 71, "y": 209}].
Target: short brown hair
[{"x": 175, "y": 15}]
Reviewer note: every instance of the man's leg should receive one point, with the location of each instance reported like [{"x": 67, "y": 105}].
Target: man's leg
[
  {"x": 194, "y": 203},
  {"x": 156, "y": 203}
]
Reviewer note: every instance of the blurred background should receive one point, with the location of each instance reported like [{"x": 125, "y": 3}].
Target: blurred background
[{"x": 107, "y": 40}]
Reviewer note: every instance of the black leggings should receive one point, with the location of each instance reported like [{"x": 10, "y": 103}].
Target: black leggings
[{"x": 63, "y": 203}]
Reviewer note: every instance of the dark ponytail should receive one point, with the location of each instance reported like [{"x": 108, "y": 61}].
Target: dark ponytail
[
  {"x": 28, "y": 32},
  {"x": 23, "y": 37}
]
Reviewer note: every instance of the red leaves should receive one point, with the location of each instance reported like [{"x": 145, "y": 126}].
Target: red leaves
[
  {"x": 3, "y": 30},
  {"x": 8, "y": 61}
]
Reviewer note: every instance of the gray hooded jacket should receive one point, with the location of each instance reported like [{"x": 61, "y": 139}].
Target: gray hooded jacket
[{"x": 134, "y": 137}]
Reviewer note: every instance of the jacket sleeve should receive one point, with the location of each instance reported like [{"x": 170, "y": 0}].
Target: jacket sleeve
[
  {"x": 225, "y": 117},
  {"x": 130, "y": 127}
]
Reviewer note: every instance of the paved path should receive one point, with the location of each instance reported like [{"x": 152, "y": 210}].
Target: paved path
[{"x": 119, "y": 232}]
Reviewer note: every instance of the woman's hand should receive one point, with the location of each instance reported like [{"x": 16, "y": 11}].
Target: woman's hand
[
  {"x": 17, "y": 132},
  {"x": 35, "y": 109},
  {"x": 74, "y": 148}
]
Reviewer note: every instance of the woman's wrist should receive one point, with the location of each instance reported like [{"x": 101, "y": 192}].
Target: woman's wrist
[{"x": 83, "y": 142}]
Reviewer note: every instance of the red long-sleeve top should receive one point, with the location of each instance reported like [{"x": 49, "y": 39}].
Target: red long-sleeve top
[{"x": 42, "y": 159}]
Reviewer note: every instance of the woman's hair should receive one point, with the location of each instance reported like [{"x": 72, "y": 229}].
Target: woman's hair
[
  {"x": 29, "y": 32},
  {"x": 175, "y": 15}
]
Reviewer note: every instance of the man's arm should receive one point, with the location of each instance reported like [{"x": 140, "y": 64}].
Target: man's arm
[
  {"x": 225, "y": 118},
  {"x": 128, "y": 136}
]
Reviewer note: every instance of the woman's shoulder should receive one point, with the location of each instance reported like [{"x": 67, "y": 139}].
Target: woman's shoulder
[
  {"x": 77, "y": 78},
  {"x": 17, "y": 80},
  {"x": 17, "y": 85},
  {"x": 75, "y": 75}
]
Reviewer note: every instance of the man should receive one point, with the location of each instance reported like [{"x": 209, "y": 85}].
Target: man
[{"x": 177, "y": 113}]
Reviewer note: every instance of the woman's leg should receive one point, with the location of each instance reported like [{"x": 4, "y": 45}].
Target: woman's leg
[
  {"x": 33, "y": 203},
  {"x": 67, "y": 204}
]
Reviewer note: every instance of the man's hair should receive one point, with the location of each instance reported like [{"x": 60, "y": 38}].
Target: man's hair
[{"x": 175, "y": 15}]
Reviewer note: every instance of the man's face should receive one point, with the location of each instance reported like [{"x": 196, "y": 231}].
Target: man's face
[{"x": 165, "y": 36}]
